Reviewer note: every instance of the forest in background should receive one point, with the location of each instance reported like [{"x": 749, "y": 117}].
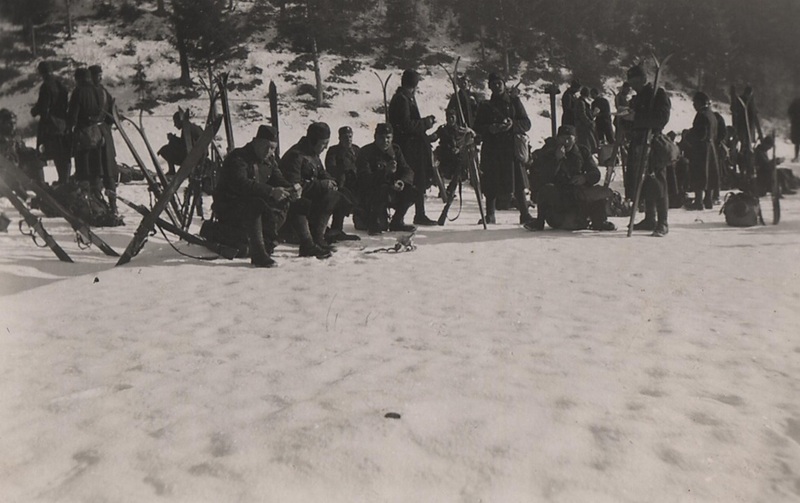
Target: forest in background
[{"x": 716, "y": 43}]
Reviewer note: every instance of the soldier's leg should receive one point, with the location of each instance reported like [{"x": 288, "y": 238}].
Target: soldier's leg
[{"x": 402, "y": 202}]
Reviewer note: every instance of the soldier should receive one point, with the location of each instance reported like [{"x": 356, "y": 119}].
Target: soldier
[
  {"x": 386, "y": 182},
  {"x": 747, "y": 124},
  {"x": 651, "y": 111},
  {"x": 451, "y": 149},
  {"x": 794, "y": 118},
  {"x": 51, "y": 133},
  {"x": 568, "y": 196},
  {"x": 568, "y": 103},
  {"x": 110, "y": 172},
  {"x": 703, "y": 160},
  {"x": 601, "y": 109},
  {"x": 253, "y": 193},
  {"x": 584, "y": 121},
  {"x": 410, "y": 134},
  {"x": 83, "y": 120},
  {"x": 466, "y": 100},
  {"x": 13, "y": 149},
  {"x": 340, "y": 162},
  {"x": 174, "y": 152},
  {"x": 309, "y": 215},
  {"x": 498, "y": 120}
]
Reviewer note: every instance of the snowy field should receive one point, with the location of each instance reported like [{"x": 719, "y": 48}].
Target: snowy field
[{"x": 555, "y": 366}]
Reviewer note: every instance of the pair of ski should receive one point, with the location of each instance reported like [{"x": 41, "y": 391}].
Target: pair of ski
[
  {"x": 775, "y": 191},
  {"x": 83, "y": 232}
]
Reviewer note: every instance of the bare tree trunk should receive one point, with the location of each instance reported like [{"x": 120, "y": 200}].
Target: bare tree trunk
[
  {"x": 160, "y": 10},
  {"x": 317, "y": 72},
  {"x": 69, "y": 18},
  {"x": 183, "y": 56},
  {"x": 32, "y": 28}
]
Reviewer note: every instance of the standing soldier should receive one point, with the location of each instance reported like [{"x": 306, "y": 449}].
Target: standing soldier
[
  {"x": 110, "y": 172},
  {"x": 703, "y": 161},
  {"x": 340, "y": 162},
  {"x": 584, "y": 121},
  {"x": 51, "y": 108},
  {"x": 568, "y": 103},
  {"x": 498, "y": 120},
  {"x": 651, "y": 111},
  {"x": 794, "y": 118},
  {"x": 410, "y": 134},
  {"x": 602, "y": 117},
  {"x": 84, "y": 117}
]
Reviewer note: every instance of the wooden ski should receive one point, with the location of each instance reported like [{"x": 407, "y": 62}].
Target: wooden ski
[
  {"x": 34, "y": 223},
  {"x": 645, "y": 161},
  {"x": 82, "y": 230},
  {"x": 194, "y": 157},
  {"x": 224, "y": 251}
]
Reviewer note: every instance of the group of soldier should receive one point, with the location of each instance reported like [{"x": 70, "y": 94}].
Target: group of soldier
[
  {"x": 71, "y": 126},
  {"x": 268, "y": 199}
]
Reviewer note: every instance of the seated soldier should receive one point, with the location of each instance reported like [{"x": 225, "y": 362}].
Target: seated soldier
[
  {"x": 450, "y": 151},
  {"x": 568, "y": 197},
  {"x": 309, "y": 215},
  {"x": 386, "y": 182},
  {"x": 340, "y": 162},
  {"x": 13, "y": 149},
  {"x": 252, "y": 192},
  {"x": 174, "y": 152}
]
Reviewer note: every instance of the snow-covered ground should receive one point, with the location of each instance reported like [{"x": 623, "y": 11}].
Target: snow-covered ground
[{"x": 555, "y": 366}]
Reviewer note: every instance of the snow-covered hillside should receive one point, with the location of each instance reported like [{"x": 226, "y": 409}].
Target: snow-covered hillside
[{"x": 555, "y": 366}]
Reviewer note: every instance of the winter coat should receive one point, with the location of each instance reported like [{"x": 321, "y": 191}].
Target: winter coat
[
  {"x": 497, "y": 154},
  {"x": 576, "y": 161},
  {"x": 794, "y": 118},
  {"x": 584, "y": 125},
  {"x": 376, "y": 167},
  {"x": 109, "y": 150},
  {"x": 703, "y": 161},
  {"x": 568, "y": 108},
  {"x": 51, "y": 108},
  {"x": 340, "y": 162},
  {"x": 243, "y": 175},
  {"x": 410, "y": 134},
  {"x": 646, "y": 118}
]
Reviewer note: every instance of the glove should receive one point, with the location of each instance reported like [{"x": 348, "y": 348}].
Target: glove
[
  {"x": 398, "y": 185},
  {"x": 577, "y": 180}
]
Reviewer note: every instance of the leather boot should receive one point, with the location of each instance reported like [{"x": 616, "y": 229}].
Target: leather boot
[
  {"x": 307, "y": 246},
  {"x": 318, "y": 225},
  {"x": 255, "y": 240}
]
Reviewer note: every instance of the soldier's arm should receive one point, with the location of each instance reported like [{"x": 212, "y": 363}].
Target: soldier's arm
[
  {"x": 404, "y": 171},
  {"x": 400, "y": 117},
  {"x": 522, "y": 122},
  {"x": 590, "y": 170},
  {"x": 291, "y": 165}
]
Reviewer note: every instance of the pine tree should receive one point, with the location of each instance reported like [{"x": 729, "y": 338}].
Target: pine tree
[{"x": 206, "y": 34}]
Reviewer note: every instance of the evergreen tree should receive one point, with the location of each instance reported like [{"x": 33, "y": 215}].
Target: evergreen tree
[
  {"x": 27, "y": 13},
  {"x": 206, "y": 34}
]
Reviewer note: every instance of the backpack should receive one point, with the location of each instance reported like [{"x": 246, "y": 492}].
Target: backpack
[{"x": 741, "y": 210}]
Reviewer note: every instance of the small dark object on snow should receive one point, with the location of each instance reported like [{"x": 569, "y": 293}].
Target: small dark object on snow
[
  {"x": 96, "y": 280},
  {"x": 392, "y": 415}
]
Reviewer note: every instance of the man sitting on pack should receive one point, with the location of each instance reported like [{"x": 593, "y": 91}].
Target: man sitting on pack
[
  {"x": 174, "y": 152},
  {"x": 253, "y": 193},
  {"x": 340, "y": 162},
  {"x": 568, "y": 197},
  {"x": 386, "y": 182},
  {"x": 309, "y": 216}
]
